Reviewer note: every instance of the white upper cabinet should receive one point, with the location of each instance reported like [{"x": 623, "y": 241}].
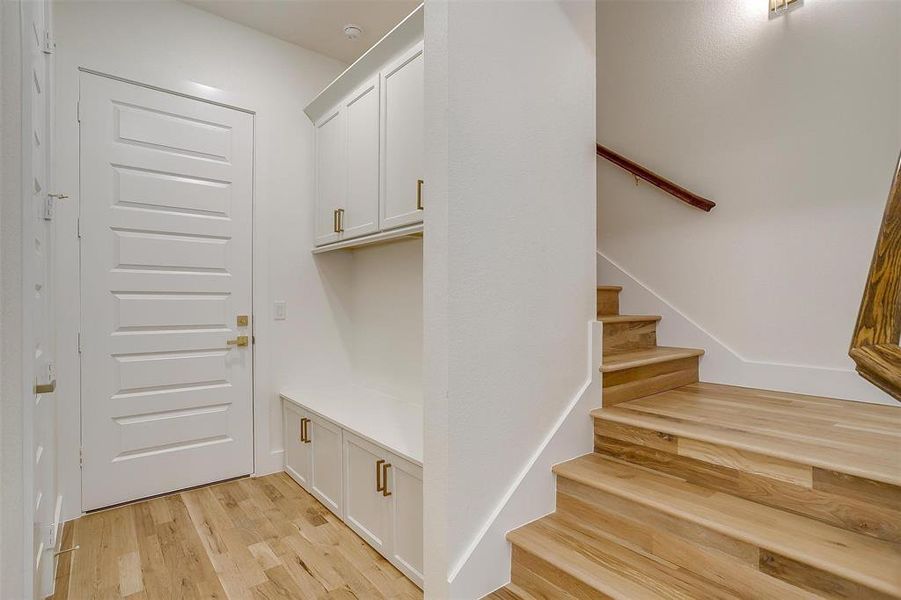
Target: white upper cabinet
[
  {"x": 403, "y": 140},
  {"x": 361, "y": 117},
  {"x": 331, "y": 176},
  {"x": 370, "y": 143}
]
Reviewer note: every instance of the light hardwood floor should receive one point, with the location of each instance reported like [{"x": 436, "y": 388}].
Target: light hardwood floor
[{"x": 263, "y": 538}]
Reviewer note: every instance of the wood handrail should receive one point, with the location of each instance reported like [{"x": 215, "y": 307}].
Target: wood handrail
[
  {"x": 656, "y": 180},
  {"x": 877, "y": 333}
]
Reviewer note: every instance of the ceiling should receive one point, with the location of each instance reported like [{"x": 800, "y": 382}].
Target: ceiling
[{"x": 317, "y": 25}]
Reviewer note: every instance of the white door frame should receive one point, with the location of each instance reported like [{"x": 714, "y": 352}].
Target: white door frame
[{"x": 70, "y": 287}]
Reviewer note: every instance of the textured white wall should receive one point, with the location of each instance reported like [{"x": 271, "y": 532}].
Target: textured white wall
[
  {"x": 386, "y": 318},
  {"x": 509, "y": 255},
  {"x": 178, "y": 47},
  {"x": 793, "y": 126},
  {"x": 13, "y": 562}
]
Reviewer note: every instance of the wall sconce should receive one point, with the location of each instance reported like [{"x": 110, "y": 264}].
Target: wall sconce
[{"x": 778, "y": 7}]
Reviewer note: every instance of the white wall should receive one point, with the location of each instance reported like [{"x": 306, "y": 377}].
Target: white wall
[
  {"x": 13, "y": 523},
  {"x": 509, "y": 259},
  {"x": 386, "y": 318},
  {"x": 792, "y": 126},
  {"x": 177, "y": 47}
]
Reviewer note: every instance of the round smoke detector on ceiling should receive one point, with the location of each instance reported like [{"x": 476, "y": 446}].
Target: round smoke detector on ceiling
[{"x": 352, "y": 32}]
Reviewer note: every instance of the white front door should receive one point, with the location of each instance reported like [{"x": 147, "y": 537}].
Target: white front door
[
  {"x": 39, "y": 331},
  {"x": 165, "y": 222}
]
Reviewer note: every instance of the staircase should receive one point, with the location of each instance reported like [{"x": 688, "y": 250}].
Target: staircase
[{"x": 700, "y": 491}]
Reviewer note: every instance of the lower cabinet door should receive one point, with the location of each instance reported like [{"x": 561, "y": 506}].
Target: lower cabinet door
[
  {"x": 405, "y": 487},
  {"x": 297, "y": 452},
  {"x": 366, "y": 509},
  {"x": 325, "y": 474}
]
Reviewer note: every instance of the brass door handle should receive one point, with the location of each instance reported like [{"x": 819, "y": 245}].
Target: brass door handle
[
  {"x": 241, "y": 340},
  {"x": 45, "y": 388},
  {"x": 304, "y": 435},
  {"x": 419, "y": 183},
  {"x": 335, "y": 220},
  {"x": 378, "y": 475},
  {"x": 385, "y": 491},
  {"x": 340, "y": 228}
]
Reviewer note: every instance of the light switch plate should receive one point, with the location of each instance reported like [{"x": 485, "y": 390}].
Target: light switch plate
[{"x": 281, "y": 310}]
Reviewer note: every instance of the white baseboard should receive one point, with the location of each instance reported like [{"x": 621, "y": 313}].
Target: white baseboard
[
  {"x": 485, "y": 565},
  {"x": 722, "y": 364},
  {"x": 273, "y": 463}
]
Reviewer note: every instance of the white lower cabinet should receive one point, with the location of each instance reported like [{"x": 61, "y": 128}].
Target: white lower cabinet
[
  {"x": 325, "y": 477},
  {"x": 313, "y": 455},
  {"x": 298, "y": 463},
  {"x": 405, "y": 486},
  {"x": 367, "y": 510},
  {"x": 384, "y": 503},
  {"x": 376, "y": 492}
]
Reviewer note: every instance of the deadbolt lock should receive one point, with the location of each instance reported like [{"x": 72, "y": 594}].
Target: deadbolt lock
[{"x": 242, "y": 321}]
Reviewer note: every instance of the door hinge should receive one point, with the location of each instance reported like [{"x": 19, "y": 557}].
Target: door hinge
[
  {"x": 49, "y": 43},
  {"x": 78, "y": 111},
  {"x": 78, "y": 341},
  {"x": 78, "y": 227},
  {"x": 81, "y": 458}
]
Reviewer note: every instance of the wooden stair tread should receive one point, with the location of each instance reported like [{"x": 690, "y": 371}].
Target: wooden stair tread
[
  {"x": 610, "y": 288},
  {"x": 640, "y": 358},
  {"x": 628, "y": 318},
  {"x": 852, "y": 438},
  {"x": 612, "y": 569},
  {"x": 509, "y": 592},
  {"x": 867, "y": 561}
]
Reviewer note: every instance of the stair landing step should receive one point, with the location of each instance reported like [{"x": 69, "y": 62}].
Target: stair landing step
[
  {"x": 837, "y": 436},
  {"x": 641, "y": 358},
  {"x": 601, "y": 565},
  {"x": 869, "y": 562},
  {"x": 628, "y": 318}
]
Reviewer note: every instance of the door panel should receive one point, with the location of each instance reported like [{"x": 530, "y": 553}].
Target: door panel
[
  {"x": 365, "y": 508},
  {"x": 39, "y": 330},
  {"x": 331, "y": 173},
  {"x": 362, "y": 119},
  {"x": 403, "y": 139},
  {"x": 297, "y": 453},
  {"x": 405, "y": 483},
  {"x": 166, "y": 214},
  {"x": 326, "y": 474}
]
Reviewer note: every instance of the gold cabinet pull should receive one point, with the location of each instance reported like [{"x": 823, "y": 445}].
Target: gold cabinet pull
[
  {"x": 340, "y": 228},
  {"x": 419, "y": 183},
  {"x": 45, "y": 388},
  {"x": 385, "y": 467},
  {"x": 378, "y": 475},
  {"x": 304, "y": 433},
  {"x": 241, "y": 340},
  {"x": 335, "y": 220}
]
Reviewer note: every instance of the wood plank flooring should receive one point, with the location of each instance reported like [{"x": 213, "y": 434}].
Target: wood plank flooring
[{"x": 255, "y": 539}]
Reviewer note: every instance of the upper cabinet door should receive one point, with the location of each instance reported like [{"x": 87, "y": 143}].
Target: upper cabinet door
[
  {"x": 403, "y": 140},
  {"x": 331, "y": 176},
  {"x": 361, "y": 114}
]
